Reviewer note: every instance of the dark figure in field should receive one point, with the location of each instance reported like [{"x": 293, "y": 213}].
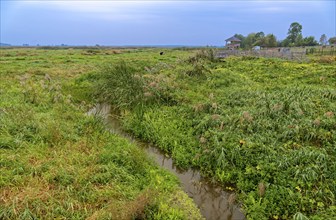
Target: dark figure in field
[{"x": 161, "y": 53}]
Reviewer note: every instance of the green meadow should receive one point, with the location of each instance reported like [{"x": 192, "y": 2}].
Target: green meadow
[
  {"x": 263, "y": 128},
  {"x": 58, "y": 163}
]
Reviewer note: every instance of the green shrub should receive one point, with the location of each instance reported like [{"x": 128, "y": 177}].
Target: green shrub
[{"x": 120, "y": 85}]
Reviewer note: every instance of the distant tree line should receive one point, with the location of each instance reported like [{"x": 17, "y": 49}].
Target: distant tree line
[
  {"x": 257, "y": 39},
  {"x": 294, "y": 39}
]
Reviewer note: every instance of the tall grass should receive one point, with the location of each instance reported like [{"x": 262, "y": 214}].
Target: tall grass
[
  {"x": 121, "y": 85},
  {"x": 57, "y": 162},
  {"x": 266, "y": 126}
]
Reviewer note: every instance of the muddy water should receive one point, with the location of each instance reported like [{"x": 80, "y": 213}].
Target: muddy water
[{"x": 212, "y": 200}]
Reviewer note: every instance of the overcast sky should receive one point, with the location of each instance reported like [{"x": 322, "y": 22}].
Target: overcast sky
[{"x": 54, "y": 22}]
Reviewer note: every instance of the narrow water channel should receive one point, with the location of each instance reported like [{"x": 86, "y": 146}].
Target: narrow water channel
[{"x": 214, "y": 202}]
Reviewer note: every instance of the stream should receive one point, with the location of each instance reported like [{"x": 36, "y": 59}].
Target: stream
[{"x": 214, "y": 202}]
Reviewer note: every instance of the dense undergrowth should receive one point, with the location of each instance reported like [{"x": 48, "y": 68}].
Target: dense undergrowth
[
  {"x": 56, "y": 162},
  {"x": 267, "y": 126}
]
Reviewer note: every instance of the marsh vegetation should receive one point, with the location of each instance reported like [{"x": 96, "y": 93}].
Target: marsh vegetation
[{"x": 264, "y": 129}]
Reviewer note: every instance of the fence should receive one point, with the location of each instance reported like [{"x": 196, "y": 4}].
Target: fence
[
  {"x": 321, "y": 51},
  {"x": 279, "y": 53}
]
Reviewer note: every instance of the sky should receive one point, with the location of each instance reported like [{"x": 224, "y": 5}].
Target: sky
[{"x": 189, "y": 23}]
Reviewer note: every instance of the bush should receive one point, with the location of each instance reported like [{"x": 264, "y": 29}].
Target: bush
[
  {"x": 120, "y": 85},
  {"x": 205, "y": 54},
  {"x": 125, "y": 88},
  {"x": 198, "y": 69},
  {"x": 327, "y": 59}
]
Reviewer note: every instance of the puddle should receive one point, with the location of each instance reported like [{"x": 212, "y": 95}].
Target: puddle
[{"x": 214, "y": 202}]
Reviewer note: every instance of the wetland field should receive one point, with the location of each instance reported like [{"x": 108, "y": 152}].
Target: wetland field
[{"x": 260, "y": 131}]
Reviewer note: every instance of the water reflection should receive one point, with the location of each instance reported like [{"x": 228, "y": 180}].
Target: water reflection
[{"x": 212, "y": 200}]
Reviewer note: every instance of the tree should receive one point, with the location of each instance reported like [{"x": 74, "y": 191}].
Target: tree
[
  {"x": 323, "y": 39},
  {"x": 279, "y": 43},
  {"x": 294, "y": 34},
  {"x": 239, "y": 36},
  {"x": 270, "y": 40},
  {"x": 309, "y": 41},
  {"x": 250, "y": 40},
  {"x": 260, "y": 35},
  {"x": 332, "y": 40},
  {"x": 259, "y": 39},
  {"x": 242, "y": 38},
  {"x": 285, "y": 43}
]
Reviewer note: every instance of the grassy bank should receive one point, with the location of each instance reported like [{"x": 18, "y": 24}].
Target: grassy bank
[
  {"x": 57, "y": 162},
  {"x": 266, "y": 126}
]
